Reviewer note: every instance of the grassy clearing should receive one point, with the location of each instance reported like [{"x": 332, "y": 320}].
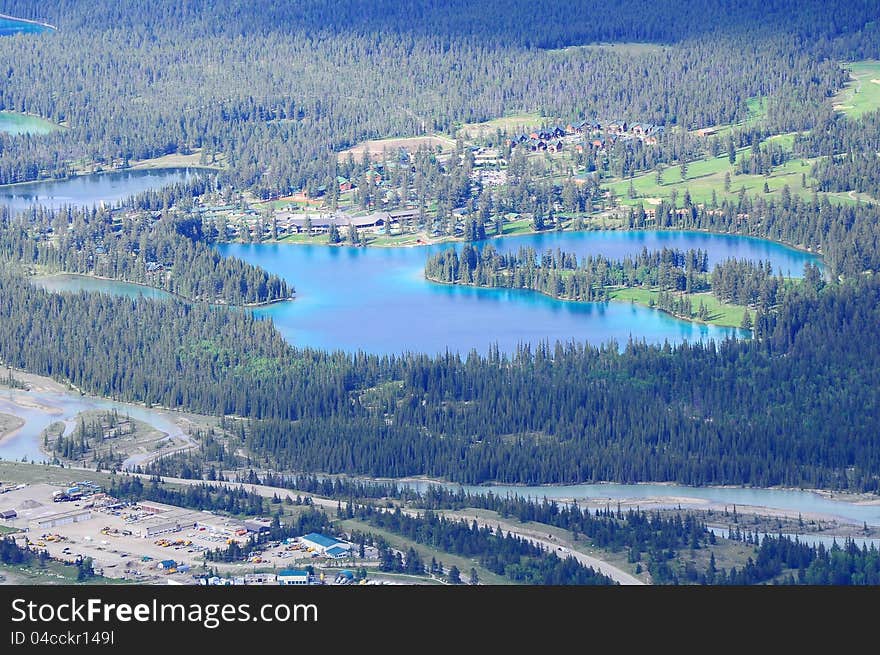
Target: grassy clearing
[
  {"x": 757, "y": 111},
  {"x": 377, "y": 146},
  {"x": 464, "y": 564},
  {"x": 862, "y": 94},
  {"x": 53, "y": 573},
  {"x": 633, "y": 48},
  {"x": 21, "y": 472},
  {"x": 512, "y": 124},
  {"x": 707, "y": 175},
  {"x": 15, "y": 123},
  {"x": 177, "y": 160},
  {"x": 720, "y": 314},
  {"x": 520, "y": 226}
]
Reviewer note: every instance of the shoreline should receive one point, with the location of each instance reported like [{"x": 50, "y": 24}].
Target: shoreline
[
  {"x": 631, "y": 301},
  {"x": 453, "y": 240},
  {"x": 862, "y": 498},
  {"x": 265, "y": 303},
  {"x": 29, "y": 21},
  {"x": 849, "y": 497},
  {"x": 141, "y": 165},
  {"x": 77, "y": 174},
  {"x": 13, "y": 431}
]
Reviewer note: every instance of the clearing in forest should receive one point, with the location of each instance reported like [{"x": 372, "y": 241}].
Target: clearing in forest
[
  {"x": 862, "y": 93},
  {"x": 410, "y": 144},
  {"x": 512, "y": 124}
]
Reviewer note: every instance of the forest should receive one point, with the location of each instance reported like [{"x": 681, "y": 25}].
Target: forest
[
  {"x": 508, "y": 555},
  {"x": 271, "y": 93},
  {"x": 526, "y": 417},
  {"x": 161, "y": 249},
  {"x": 675, "y": 273}
]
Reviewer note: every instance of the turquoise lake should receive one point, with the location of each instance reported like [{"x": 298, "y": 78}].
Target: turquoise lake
[
  {"x": 10, "y": 26},
  {"x": 89, "y": 190},
  {"x": 74, "y": 283},
  {"x": 377, "y": 300}
]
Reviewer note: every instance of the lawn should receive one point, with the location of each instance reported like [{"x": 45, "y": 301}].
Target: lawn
[
  {"x": 720, "y": 314},
  {"x": 706, "y": 175},
  {"x": 512, "y": 124},
  {"x": 862, "y": 93}
]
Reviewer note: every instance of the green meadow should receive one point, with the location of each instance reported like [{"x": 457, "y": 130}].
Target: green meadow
[{"x": 862, "y": 94}]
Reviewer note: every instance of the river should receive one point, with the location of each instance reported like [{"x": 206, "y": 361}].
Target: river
[{"x": 40, "y": 409}]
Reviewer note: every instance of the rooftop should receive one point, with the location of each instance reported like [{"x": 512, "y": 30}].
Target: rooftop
[
  {"x": 292, "y": 573},
  {"x": 321, "y": 539}
]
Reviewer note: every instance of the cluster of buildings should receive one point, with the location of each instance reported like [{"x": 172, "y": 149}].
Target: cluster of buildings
[
  {"x": 586, "y": 135},
  {"x": 288, "y": 222},
  {"x": 284, "y": 577}
]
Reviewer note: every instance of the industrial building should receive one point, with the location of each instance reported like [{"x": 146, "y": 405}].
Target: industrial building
[
  {"x": 321, "y": 543},
  {"x": 64, "y": 518},
  {"x": 293, "y": 577}
]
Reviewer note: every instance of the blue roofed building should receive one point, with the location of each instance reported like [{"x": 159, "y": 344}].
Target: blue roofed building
[
  {"x": 321, "y": 543},
  {"x": 337, "y": 551}
]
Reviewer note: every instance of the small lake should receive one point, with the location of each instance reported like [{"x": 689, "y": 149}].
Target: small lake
[
  {"x": 90, "y": 190},
  {"x": 74, "y": 283},
  {"x": 15, "y": 124},
  {"x": 10, "y": 26},
  {"x": 377, "y": 300}
]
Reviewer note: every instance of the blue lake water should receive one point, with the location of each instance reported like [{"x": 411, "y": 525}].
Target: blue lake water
[
  {"x": 377, "y": 300},
  {"x": 75, "y": 283},
  {"x": 10, "y": 26},
  {"x": 89, "y": 190}
]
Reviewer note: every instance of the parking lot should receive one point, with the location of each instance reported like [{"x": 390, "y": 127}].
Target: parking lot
[{"x": 131, "y": 541}]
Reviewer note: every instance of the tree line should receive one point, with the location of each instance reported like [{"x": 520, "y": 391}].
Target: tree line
[
  {"x": 275, "y": 104},
  {"x": 546, "y": 413},
  {"x": 167, "y": 251},
  {"x": 672, "y": 272},
  {"x": 514, "y": 557}
]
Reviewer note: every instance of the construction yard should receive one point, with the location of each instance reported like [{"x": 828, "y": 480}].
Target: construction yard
[{"x": 146, "y": 542}]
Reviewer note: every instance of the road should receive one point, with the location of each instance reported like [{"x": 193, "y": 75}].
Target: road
[
  {"x": 613, "y": 572},
  {"x": 553, "y": 544}
]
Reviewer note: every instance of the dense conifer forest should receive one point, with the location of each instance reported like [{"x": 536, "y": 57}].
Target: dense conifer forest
[
  {"x": 563, "y": 413},
  {"x": 165, "y": 250},
  {"x": 272, "y": 96},
  {"x": 276, "y": 92}
]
